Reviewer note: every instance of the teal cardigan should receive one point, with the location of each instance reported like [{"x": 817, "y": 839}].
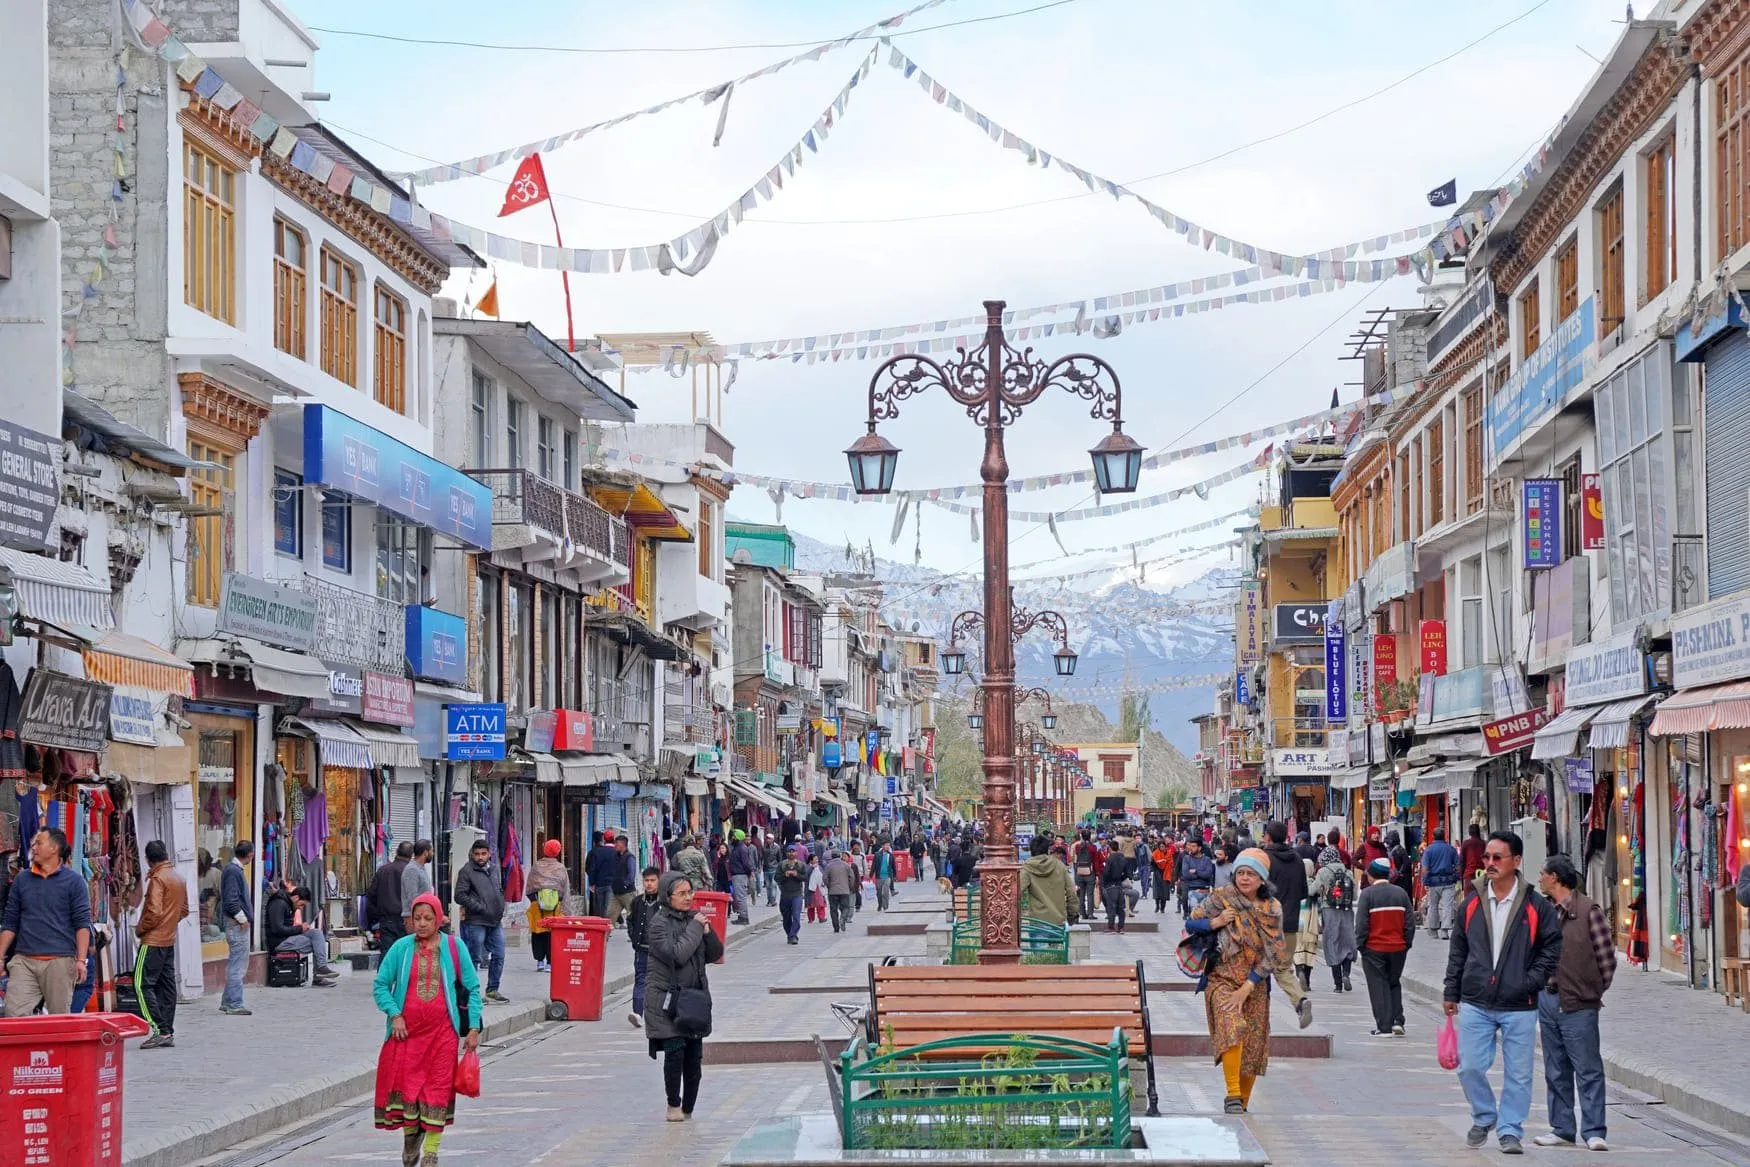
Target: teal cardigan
[{"x": 395, "y": 972}]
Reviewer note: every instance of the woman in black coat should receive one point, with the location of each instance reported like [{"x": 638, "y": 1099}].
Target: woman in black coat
[{"x": 681, "y": 943}]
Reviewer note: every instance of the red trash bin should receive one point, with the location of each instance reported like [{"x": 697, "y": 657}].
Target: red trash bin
[
  {"x": 579, "y": 961},
  {"x": 902, "y": 871},
  {"x": 715, "y": 905},
  {"x": 62, "y": 1077}
]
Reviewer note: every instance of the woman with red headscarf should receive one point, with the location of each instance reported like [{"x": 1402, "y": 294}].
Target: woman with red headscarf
[
  {"x": 417, "y": 986},
  {"x": 549, "y": 886}
]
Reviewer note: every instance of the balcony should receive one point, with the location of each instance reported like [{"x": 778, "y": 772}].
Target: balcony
[
  {"x": 358, "y": 629},
  {"x": 687, "y": 725},
  {"x": 1297, "y": 733},
  {"x": 623, "y": 599},
  {"x": 1688, "y": 572},
  {"x": 538, "y": 521}
]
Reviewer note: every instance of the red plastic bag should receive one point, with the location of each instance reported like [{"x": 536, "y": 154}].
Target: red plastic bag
[
  {"x": 468, "y": 1075},
  {"x": 1446, "y": 1046}
]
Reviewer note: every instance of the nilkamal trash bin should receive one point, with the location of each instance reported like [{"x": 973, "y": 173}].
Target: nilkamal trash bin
[
  {"x": 579, "y": 962},
  {"x": 715, "y": 906},
  {"x": 902, "y": 871},
  {"x": 62, "y": 1080}
]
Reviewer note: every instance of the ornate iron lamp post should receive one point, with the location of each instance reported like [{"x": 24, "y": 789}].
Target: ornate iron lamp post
[{"x": 994, "y": 383}]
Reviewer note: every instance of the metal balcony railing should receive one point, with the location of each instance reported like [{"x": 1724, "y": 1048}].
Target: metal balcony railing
[
  {"x": 520, "y": 495},
  {"x": 596, "y": 530},
  {"x": 1298, "y": 732},
  {"x": 690, "y": 724},
  {"x": 355, "y": 628},
  {"x": 1688, "y": 575}
]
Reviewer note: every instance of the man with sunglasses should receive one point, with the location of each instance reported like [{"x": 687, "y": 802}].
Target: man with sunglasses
[{"x": 1506, "y": 943}]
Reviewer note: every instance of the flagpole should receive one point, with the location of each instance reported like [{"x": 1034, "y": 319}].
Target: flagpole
[{"x": 564, "y": 278}]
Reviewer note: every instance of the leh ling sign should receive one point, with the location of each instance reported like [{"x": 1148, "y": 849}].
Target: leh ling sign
[{"x": 1711, "y": 644}]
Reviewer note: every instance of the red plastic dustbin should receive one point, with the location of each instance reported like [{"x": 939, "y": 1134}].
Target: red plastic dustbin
[
  {"x": 580, "y": 954},
  {"x": 902, "y": 871},
  {"x": 62, "y": 1078},
  {"x": 715, "y": 906}
]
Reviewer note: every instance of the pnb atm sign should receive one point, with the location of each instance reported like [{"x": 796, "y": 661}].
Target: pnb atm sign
[{"x": 474, "y": 733}]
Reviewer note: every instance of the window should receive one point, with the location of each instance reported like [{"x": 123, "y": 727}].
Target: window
[
  {"x": 209, "y": 235},
  {"x": 1732, "y": 156},
  {"x": 707, "y": 538},
  {"x": 570, "y": 464},
  {"x": 1470, "y": 613},
  {"x": 551, "y": 651},
  {"x": 403, "y": 559},
  {"x": 1413, "y": 488},
  {"x": 1405, "y": 529},
  {"x": 491, "y": 643},
  {"x": 337, "y": 534},
  {"x": 291, "y": 259},
  {"x": 1529, "y": 337},
  {"x": 1567, "y": 280},
  {"x": 544, "y": 450},
  {"x": 1661, "y": 170},
  {"x": 390, "y": 354},
  {"x": 209, "y": 527},
  {"x": 513, "y": 432},
  {"x": 1436, "y": 473},
  {"x": 1112, "y": 770},
  {"x": 519, "y": 642},
  {"x": 1473, "y": 450},
  {"x": 288, "y": 513},
  {"x": 1610, "y": 258},
  {"x": 1573, "y": 505},
  {"x": 340, "y": 306},
  {"x": 480, "y": 405},
  {"x": 1633, "y": 454}
]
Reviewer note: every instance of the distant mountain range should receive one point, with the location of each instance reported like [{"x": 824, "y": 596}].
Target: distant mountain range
[{"x": 1125, "y": 633}]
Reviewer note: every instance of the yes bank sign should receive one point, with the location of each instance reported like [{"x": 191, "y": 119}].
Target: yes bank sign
[{"x": 474, "y": 733}]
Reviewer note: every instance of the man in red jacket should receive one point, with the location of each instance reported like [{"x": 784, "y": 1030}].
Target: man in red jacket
[
  {"x": 1470, "y": 856},
  {"x": 1384, "y": 929}
]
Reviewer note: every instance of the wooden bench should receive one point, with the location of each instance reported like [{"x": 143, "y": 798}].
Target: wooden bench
[{"x": 911, "y": 1005}]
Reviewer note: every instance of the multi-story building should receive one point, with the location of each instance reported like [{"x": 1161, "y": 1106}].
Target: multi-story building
[
  {"x": 1113, "y": 788},
  {"x": 30, "y": 237}
]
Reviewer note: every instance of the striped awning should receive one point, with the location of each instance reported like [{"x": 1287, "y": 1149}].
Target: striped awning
[
  {"x": 596, "y": 769},
  {"x": 120, "y": 659},
  {"x": 336, "y": 742},
  {"x": 388, "y": 747},
  {"x": 1610, "y": 727},
  {"x": 547, "y": 771},
  {"x": 1701, "y": 709},
  {"x": 1561, "y": 737},
  {"x": 273, "y": 670},
  {"x": 57, "y": 593}
]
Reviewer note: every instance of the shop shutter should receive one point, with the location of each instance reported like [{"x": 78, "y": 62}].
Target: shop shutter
[
  {"x": 403, "y": 813},
  {"x": 1726, "y": 426}
]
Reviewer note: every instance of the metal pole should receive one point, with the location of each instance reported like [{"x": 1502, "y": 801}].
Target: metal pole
[{"x": 1000, "y": 872}]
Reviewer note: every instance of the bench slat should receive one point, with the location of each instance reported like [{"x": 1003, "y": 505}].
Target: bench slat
[
  {"x": 908, "y": 990},
  {"x": 929, "y": 1007},
  {"x": 999, "y": 972}
]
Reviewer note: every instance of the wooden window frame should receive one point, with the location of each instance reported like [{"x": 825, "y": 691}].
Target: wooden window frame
[
  {"x": 1436, "y": 472},
  {"x": 389, "y": 348},
  {"x": 1567, "y": 280},
  {"x": 1530, "y": 318},
  {"x": 1732, "y": 157},
  {"x": 1471, "y": 400},
  {"x": 1612, "y": 263},
  {"x": 209, "y": 233},
  {"x": 1660, "y": 250},
  {"x": 211, "y": 537},
  {"x": 290, "y": 290},
  {"x": 707, "y": 522},
  {"x": 340, "y": 354}
]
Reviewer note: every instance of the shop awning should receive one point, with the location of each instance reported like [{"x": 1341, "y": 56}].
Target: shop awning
[
  {"x": 755, "y": 793},
  {"x": 1452, "y": 776},
  {"x": 695, "y": 787},
  {"x": 596, "y": 769},
  {"x": 389, "y": 747},
  {"x": 166, "y": 764},
  {"x": 119, "y": 659},
  {"x": 57, "y": 593},
  {"x": 1561, "y": 737},
  {"x": 1354, "y": 778},
  {"x": 335, "y": 741},
  {"x": 547, "y": 771},
  {"x": 1412, "y": 781},
  {"x": 836, "y": 799},
  {"x": 274, "y": 670},
  {"x": 445, "y": 693},
  {"x": 1610, "y": 727},
  {"x": 1701, "y": 709}
]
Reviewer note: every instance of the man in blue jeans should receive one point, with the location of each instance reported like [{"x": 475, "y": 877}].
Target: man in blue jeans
[
  {"x": 1506, "y": 943},
  {"x": 238, "y": 908},
  {"x": 638, "y": 918},
  {"x": 482, "y": 902},
  {"x": 1567, "y": 1010}
]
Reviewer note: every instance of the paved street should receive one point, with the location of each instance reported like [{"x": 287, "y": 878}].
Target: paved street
[{"x": 588, "y": 1094}]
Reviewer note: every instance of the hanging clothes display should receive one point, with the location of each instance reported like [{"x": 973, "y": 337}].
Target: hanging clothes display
[{"x": 11, "y": 708}]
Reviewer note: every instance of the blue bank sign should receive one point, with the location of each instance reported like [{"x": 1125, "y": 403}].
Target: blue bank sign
[
  {"x": 1536, "y": 388},
  {"x": 351, "y": 456},
  {"x": 436, "y": 645},
  {"x": 474, "y": 733}
]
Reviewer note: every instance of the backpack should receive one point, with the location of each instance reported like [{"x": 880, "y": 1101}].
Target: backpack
[
  {"x": 547, "y": 899},
  {"x": 1341, "y": 893}
]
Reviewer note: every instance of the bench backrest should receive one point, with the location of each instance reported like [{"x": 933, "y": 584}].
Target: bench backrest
[{"x": 914, "y": 1004}]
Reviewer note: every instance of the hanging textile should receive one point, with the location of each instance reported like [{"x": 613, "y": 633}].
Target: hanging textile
[
  {"x": 314, "y": 829},
  {"x": 11, "y": 709},
  {"x": 512, "y": 862}
]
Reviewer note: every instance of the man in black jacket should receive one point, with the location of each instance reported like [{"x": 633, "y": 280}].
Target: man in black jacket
[
  {"x": 1288, "y": 874},
  {"x": 1506, "y": 943},
  {"x": 285, "y": 927},
  {"x": 637, "y": 923},
  {"x": 384, "y": 899},
  {"x": 482, "y": 902}
]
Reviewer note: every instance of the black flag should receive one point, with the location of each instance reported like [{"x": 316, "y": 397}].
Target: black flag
[
  {"x": 1336, "y": 402},
  {"x": 1444, "y": 196}
]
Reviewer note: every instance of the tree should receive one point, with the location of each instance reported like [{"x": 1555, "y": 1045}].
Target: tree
[
  {"x": 1134, "y": 718},
  {"x": 959, "y": 762},
  {"x": 1172, "y": 796}
]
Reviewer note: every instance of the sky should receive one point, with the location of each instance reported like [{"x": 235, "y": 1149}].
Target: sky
[{"x": 909, "y": 213}]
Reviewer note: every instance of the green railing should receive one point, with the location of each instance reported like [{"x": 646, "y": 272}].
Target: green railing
[
  {"x": 987, "y": 1091},
  {"x": 1041, "y": 942}
]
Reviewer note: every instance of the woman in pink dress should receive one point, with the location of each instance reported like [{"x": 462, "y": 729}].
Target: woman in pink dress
[{"x": 417, "y": 988}]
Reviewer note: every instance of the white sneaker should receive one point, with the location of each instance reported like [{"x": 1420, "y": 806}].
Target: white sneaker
[
  {"x": 637, "y": 1021},
  {"x": 1552, "y": 1140},
  {"x": 1597, "y": 1143}
]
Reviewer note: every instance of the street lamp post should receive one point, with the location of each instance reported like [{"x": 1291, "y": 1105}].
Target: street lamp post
[{"x": 994, "y": 383}]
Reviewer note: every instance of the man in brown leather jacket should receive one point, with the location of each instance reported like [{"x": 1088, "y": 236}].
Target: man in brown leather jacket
[{"x": 165, "y": 904}]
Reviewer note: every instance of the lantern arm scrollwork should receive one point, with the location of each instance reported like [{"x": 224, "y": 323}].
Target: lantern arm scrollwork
[{"x": 1050, "y": 621}]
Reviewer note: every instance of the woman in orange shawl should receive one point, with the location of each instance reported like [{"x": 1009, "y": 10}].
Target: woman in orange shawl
[{"x": 1247, "y": 921}]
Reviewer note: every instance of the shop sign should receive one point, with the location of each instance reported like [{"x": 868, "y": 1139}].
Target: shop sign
[
  {"x": 1336, "y": 672},
  {"x": 387, "y": 700},
  {"x": 1358, "y": 744},
  {"x": 1459, "y": 694},
  {"x": 1507, "y": 689},
  {"x": 1591, "y": 514},
  {"x": 1561, "y": 604},
  {"x": 1084, "y": 782},
  {"x": 1299, "y": 621},
  {"x": 789, "y": 723},
  {"x": 428, "y": 728},
  {"x": 346, "y": 689},
  {"x": 1537, "y": 386},
  {"x": 1513, "y": 733},
  {"x": 28, "y": 490},
  {"x": 1578, "y": 772},
  {"x": 1391, "y": 575},
  {"x": 269, "y": 612},
  {"x": 1337, "y": 748},
  {"x": 573, "y": 730},
  {"x": 538, "y": 732},
  {"x": 65, "y": 712},
  {"x": 1376, "y": 741},
  {"x": 135, "y": 714},
  {"x": 1302, "y": 762},
  {"x": 1385, "y": 663},
  {"x": 1249, "y": 628},
  {"x": 1541, "y": 519},
  {"x": 831, "y": 755},
  {"x": 1354, "y": 615},
  {"x": 1711, "y": 644},
  {"x": 474, "y": 732},
  {"x": 621, "y": 791},
  {"x": 1609, "y": 670},
  {"x": 1432, "y": 637},
  {"x": 1382, "y": 789},
  {"x": 435, "y": 645},
  {"x": 371, "y": 465},
  {"x": 1242, "y": 689}
]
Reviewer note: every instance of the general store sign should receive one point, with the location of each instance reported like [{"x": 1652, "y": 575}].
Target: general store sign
[
  {"x": 1711, "y": 644},
  {"x": 1312, "y": 762},
  {"x": 268, "y": 612},
  {"x": 28, "y": 490},
  {"x": 64, "y": 712},
  {"x": 1513, "y": 733},
  {"x": 1609, "y": 670}
]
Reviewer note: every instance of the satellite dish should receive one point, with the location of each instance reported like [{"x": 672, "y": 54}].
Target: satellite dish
[{"x": 915, "y": 626}]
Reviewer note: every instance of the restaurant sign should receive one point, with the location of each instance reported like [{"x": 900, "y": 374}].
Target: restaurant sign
[{"x": 64, "y": 712}]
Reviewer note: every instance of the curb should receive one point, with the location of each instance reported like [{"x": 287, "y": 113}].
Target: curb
[
  {"x": 311, "y": 1096},
  {"x": 1695, "y": 1097}
]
